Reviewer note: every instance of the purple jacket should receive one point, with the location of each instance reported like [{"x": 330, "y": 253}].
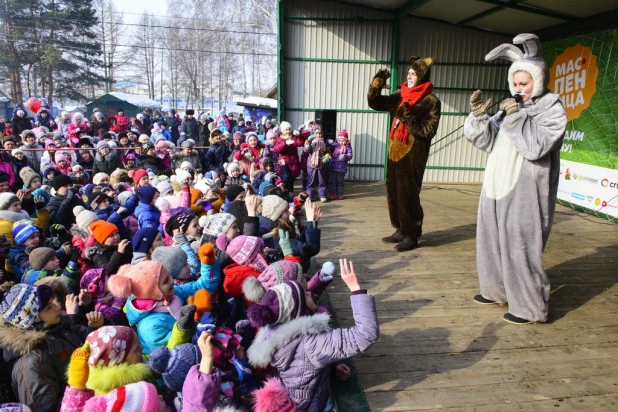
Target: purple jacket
[
  {"x": 303, "y": 349},
  {"x": 340, "y": 165},
  {"x": 200, "y": 392}
]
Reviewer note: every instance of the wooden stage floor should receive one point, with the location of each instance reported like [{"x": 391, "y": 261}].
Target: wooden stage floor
[{"x": 440, "y": 350}]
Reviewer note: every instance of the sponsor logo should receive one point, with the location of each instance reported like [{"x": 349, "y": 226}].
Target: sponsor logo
[
  {"x": 578, "y": 196},
  {"x": 597, "y": 202},
  {"x": 590, "y": 198},
  {"x": 587, "y": 179},
  {"x": 605, "y": 183},
  {"x": 567, "y": 174}
]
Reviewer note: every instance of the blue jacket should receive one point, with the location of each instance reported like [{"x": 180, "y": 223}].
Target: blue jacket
[
  {"x": 113, "y": 217},
  {"x": 18, "y": 260},
  {"x": 216, "y": 156},
  {"x": 147, "y": 215},
  {"x": 155, "y": 328}
]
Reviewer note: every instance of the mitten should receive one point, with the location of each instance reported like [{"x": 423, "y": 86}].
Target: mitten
[
  {"x": 380, "y": 78},
  {"x": 180, "y": 239},
  {"x": 509, "y": 105},
  {"x": 477, "y": 107},
  {"x": 289, "y": 142},
  {"x": 57, "y": 230},
  {"x": 39, "y": 202},
  {"x": 75, "y": 254},
  {"x": 285, "y": 244},
  {"x": 328, "y": 271},
  {"x": 326, "y": 158},
  {"x": 78, "y": 367},
  {"x": 186, "y": 322},
  {"x": 202, "y": 300},
  {"x": 341, "y": 157},
  {"x": 206, "y": 253}
]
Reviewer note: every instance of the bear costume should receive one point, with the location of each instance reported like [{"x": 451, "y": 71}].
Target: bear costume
[
  {"x": 518, "y": 199},
  {"x": 416, "y": 113}
]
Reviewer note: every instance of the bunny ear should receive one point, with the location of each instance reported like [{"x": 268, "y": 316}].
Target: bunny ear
[
  {"x": 504, "y": 51},
  {"x": 531, "y": 44},
  {"x": 413, "y": 58}
]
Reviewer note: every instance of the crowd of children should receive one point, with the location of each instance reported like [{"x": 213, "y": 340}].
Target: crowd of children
[{"x": 142, "y": 276}]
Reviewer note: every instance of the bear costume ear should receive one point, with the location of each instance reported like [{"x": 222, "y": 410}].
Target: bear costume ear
[
  {"x": 413, "y": 58},
  {"x": 428, "y": 61}
]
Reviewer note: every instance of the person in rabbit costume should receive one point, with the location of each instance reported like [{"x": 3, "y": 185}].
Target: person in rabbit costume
[
  {"x": 415, "y": 111},
  {"x": 517, "y": 204}
]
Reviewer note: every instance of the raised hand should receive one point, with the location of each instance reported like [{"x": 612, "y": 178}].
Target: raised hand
[
  {"x": 477, "y": 106},
  {"x": 380, "y": 78},
  {"x": 348, "y": 275}
]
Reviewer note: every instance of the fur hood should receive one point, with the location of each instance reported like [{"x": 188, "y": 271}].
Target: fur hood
[
  {"x": 105, "y": 379},
  {"x": 81, "y": 233},
  {"x": 270, "y": 338},
  {"x": 14, "y": 216},
  {"x": 21, "y": 341},
  {"x": 113, "y": 154}
]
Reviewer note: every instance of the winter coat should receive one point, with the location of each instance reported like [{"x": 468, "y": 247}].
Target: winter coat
[
  {"x": 34, "y": 157},
  {"x": 88, "y": 165},
  {"x": 107, "y": 164},
  {"x": 95, "y": 281},
  {"x": 235, "y": 276},
  {"x": 304, "y": 349},
  {"x": 155, "y": 328},
  {"x": 173, "y": 124},
  {"x": 63, "y": 126},
  {"x": 60, "y": 209},
  {"x": 108, "y": 257},
  {"x": 150, "y": 162},
  {"x": 147, "y": 215},
  {"x": 7, "y": 167},
  {"x": 337, "y": 162},
  {"x": 189, "y": 126},
  {"x": 200, "y": 392},
  {"x": 131, "y": 224},
  {"x": 143, "y": 127},
  {"x": 19, "y": 261},
  {"x": 193, "y": 158},
  {"x": 289, "y": 153},
  {"x": 73, "y": 130},
  {"x": 43, "y": 355},
  {"x": 215, "y": 157},
  {"x": 20, "y": 124},
  {"x": 122, "y": 123},
  {"x": 95, "y": 125},
  {"x": 203, "y": 133},
  {"x": 116, "y": 219}
]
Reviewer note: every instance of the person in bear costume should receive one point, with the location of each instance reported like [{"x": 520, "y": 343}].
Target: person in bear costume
[
  {"x": 520, "y": 186},
  {"x": 416, "y": 113}
]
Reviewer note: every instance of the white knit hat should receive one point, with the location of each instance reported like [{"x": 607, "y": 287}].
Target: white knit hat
[
  {"x": 165, "y": 188},
  {"x": 273, "y": 206},
  {"x": 84, "y": 217}
]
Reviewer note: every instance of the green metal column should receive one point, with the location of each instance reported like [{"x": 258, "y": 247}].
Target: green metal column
[
  {"x": 280, "y": 61},
  {"x": 395, "y": 42}
]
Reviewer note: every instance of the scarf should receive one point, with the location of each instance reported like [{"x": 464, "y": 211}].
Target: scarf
[
  {"x": 318, "y": 148},
  {"x": 411, "y": 96}
]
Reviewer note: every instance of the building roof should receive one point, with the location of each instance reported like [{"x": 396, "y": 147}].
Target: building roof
[
  {"x": 258, "y": 102},
  {"x": 137, "y": 99}
]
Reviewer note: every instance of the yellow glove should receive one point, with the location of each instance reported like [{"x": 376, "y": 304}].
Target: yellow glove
[{"x": 78, "y": 367}]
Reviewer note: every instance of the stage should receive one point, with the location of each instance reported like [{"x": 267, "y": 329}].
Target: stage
[{"x": 440, "y": 350}]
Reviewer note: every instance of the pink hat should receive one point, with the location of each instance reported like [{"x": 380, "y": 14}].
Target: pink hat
[
  {"x": 343, "y": 134},
  {"x": 76, "y": 168},
  {"x": 110, "y": 345},
  {"x": 161, "y": 144},
  {"x": 156, "y": 128},
  {"x": 49, "y": 142},
  {"x": 141, "y": 280},
  {"x": 135, "y": 397},
  {"x": 244, "y": 250},
  {"x": 60, "y": 156},
  {"x": 277, "y": 273}
]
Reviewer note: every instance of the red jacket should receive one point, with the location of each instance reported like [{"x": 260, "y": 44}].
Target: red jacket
[
  {"x": 289, "y": 153},
  {"x": 122, "y": 123},
  {"x": 235, "y": 276}
]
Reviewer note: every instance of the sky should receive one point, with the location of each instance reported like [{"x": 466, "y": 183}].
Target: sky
[{"x": 133, "y": 8}]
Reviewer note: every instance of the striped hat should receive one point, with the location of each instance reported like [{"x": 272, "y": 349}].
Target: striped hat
[
  {"x": 21, "y": 305},
  {"x": 135, "y": 397},
  {"x": 22, "y": 230}
]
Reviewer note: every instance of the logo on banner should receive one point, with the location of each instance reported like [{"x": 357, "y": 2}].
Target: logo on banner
[
  {"x": 573, "y": 77},
  {"x": 578, "y": 196},
  {"x": 605, "y": 183},
  {"x": 567, "y": 174}
]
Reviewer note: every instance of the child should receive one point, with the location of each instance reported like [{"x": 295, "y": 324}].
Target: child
[
  {"x": 235, "y": 176},
  {"x": 82, "y": 238},
  {"x": 44, "y": 262},
  {"x": 130, "y": 161},
  {"x": 184, "y": 229},
  {"x": 94, "y": 281},
  {"x": 286, "y": 343},
  {"x": 109, "y": 251},
  {"x": 40, "y": 340},
  {"x": 246, "y": 252},
  {"x": 62, "y": 165},
  {"x": 175, "y": 261},
  {"x": 154, "y": 303},
  {"x": 25, "y": 235},
  {"x": 79, "y": 176},
  {"x": 338, "y": 166},
  {"x": 317, "y": 170},
  {"x": 61, "y": 204},
  {"x": 267, "y": 166},
  {"x": 146, "y": 212},
  {"x": 145, "y": 241}
]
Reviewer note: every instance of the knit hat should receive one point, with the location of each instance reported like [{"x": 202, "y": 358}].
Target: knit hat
[
  {"x": 278, "y": 272},
  {"x": 7, "y": 199},
  {"x": 187, "y": 144},
  {"x": 530, "y": 62},
  {"x": 101, "y": 230},
  {"x": 60, "y": 156},
  {"x": 161, "y": 144},
  {"x": 238, "y": 208},
  {"x": 146, "y": 194},
  {"x": 84, "y": 217},
  {"x": 174, "y": 365},
  {"x": 139, "y": 173},
  {"x": 186, "y": 165},
  {"x": 195, "y": 195},
  {"x": 343, "y": 134},
  {"x": 61, "y": 180},
  {"x": 77, "y": 167},
  {"x": 273, "y": 207},
  {"x": 123, "y": 197},
  {"x": 141, "y": 280},
  {"x": 15, "y": 151},
  {"x": 39, "y": 257},
  {"x": 49, "y": 142},
  {"x": 216, "y": 224},
  {"x": 110, "y": 345},
  {"x": 232, "y": 191},
  {"x": 102, "y": 145},
  {"x": 182, "y": 176},
  {"x": 173, "y": 259},
  {"x": 179, "y": 221},
  {"x": 143, "y": 239},
  {"x": 99, "y": 177},
  {"x": 280, "y": 304},
  {"x": 21, "y": 305},
  {"x": 96, "y": 198},
  {"x": 135, "y": 397},
  {"x": 233, "y": 166},
  {"x": 23, "y": 231},
  {"x": 244, "y": 250},
  {"x": 165, "y": 188}
]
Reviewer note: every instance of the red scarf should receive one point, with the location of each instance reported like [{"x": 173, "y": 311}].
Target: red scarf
[{"x": 410, "y": 95}]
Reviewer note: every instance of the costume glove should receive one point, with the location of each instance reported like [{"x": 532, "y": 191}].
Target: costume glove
[
  {"x": 509, "y": 105},
  {"x": 477, "y": 107}
]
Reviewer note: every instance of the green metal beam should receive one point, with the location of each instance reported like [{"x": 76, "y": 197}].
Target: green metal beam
[
  {"x": 473, "y": 64},
  {"x": 470, "y": 89},
  {"x": 471, "y": 169},
  {"x": 280, "y": 62},
  {"x": 364, "y": 165},
  {"x": 317, "y": 60},
  {"x": 395, "y": 44},
  {"x": 487, "y": 13},
  {"x": 409, "y": 7},
  {"x": 597, "y": 22},
  {"x": 357, "y": 19},
  {"x": 533, "y": 10}
]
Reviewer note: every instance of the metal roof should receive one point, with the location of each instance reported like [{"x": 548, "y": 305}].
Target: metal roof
[{"x": 550, "y": 17}]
